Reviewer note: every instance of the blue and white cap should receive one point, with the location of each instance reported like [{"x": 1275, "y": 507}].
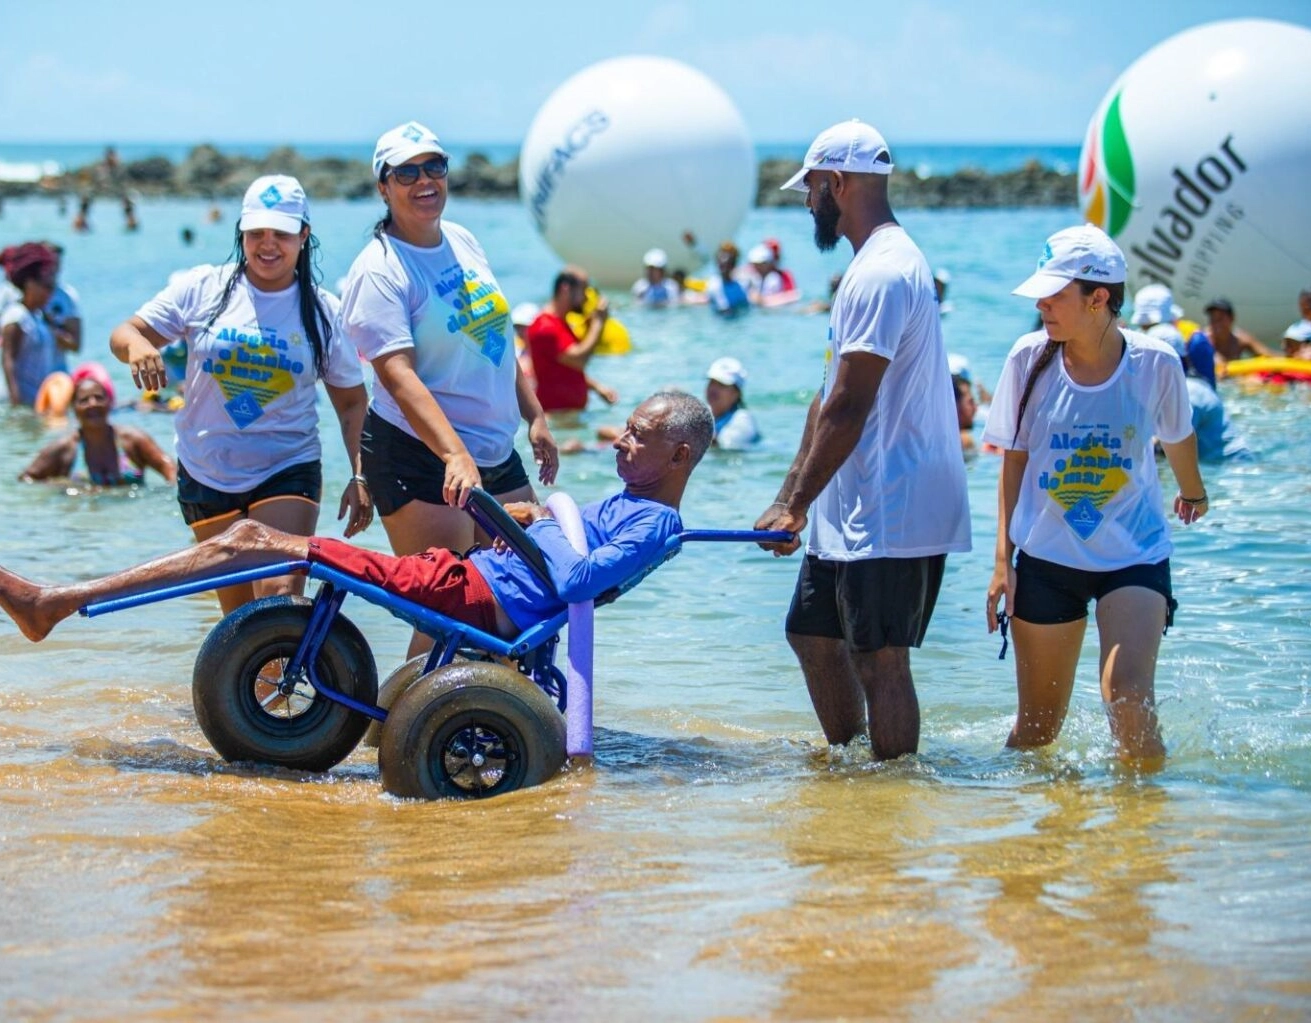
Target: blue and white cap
[
  {"x": 1083, "y": 253},
  {"x": 275, "y": 201},
  {"x": 852, "y": 147},
  {"x": 402, "y": 143}
]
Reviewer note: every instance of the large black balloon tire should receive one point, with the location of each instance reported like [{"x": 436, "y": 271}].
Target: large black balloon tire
[
  {"x": 475, "y": 707},
  {"x": 391, "y": 688},
  {"x": 244, "y": 652}
]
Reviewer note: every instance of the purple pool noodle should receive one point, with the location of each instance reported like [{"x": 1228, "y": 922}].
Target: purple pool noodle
[{"x": 578, "y": 673}]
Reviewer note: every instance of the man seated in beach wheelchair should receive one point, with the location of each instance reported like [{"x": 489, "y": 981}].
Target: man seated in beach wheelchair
[{"x": 291, "y": 682}]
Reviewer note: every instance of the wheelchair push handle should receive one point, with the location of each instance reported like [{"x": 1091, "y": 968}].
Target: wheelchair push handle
[{"x": 738, "y": 535}]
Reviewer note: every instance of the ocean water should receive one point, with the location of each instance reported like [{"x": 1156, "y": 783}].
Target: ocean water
[{"x": 715, "y": 861}]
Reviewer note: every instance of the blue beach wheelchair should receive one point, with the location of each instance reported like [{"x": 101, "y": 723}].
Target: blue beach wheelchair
[{"x": 291, "y": 681}]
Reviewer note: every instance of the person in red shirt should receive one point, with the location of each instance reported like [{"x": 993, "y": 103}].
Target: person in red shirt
[{"x": 559, "y": 356}]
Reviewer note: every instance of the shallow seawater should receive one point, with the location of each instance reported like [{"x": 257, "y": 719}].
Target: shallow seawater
[{"x": 716, "y": 861}]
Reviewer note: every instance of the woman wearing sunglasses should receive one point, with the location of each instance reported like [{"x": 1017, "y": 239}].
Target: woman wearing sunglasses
[
  {"x": 422, "y": 305},
  {"x": 260, "y": 334}
]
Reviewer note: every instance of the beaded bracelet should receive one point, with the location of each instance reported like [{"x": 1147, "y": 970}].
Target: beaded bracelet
[{"x": 1194, "y": 500}]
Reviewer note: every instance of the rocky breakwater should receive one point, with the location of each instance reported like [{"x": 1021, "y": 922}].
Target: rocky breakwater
[
  {"x": 1034, "y": 184},
  {"x": 209, "y": 173}
]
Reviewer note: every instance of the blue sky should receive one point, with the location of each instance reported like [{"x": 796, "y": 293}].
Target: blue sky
[{"x": 342, "y": 70}]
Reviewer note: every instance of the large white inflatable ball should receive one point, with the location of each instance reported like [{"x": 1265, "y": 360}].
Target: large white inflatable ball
[
  {"x": 628, "y": 155},
  {"x": 1198, "y": 163}
]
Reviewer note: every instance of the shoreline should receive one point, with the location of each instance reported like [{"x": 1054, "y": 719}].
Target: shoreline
[{"x": 208, "y": 173}]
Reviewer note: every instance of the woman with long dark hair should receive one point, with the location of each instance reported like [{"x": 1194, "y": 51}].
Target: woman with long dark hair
[
  {"x": 1080, "y": 511},
  {"x": 260, "y": 334},
  {"x": 422, "y": 305}
]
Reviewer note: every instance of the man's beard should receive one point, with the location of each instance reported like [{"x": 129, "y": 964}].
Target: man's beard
[{"x": 824, "y": 208}]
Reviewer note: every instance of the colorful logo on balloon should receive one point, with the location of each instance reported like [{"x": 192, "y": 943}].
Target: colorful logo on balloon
[{"x": 1106, "y": 178}]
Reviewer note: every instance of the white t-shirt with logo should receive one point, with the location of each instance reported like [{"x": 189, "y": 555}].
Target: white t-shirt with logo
[
  {"x": 445, "y": 304},
  {"x": 1091, "y": 498},
  {"x": 251, "y": 395},
  {"x": 901, "y": 492}
]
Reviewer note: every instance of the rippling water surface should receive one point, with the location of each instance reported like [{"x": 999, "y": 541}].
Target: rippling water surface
[{"x": 716, "y": 861}]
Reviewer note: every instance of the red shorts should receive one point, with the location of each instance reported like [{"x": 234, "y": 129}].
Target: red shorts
[{"x": 438, "y": 579}]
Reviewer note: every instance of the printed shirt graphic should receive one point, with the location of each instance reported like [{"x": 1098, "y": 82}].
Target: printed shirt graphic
[
  {"x": 445, "y": 304},
  {"x": 251, "y": 395},
  {"x": 901, "y": 493},
  {"x": 1091, "y": 497}
]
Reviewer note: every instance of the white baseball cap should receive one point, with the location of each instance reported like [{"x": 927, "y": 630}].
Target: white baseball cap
[
  {"x": 1083, "y": 253},
  {"x": 656, "y": 258},
  {"x": 959, "y": 366},
  {"x": 852, "y": 147},
  {"x": 728, "y": 371},
  {"x": 760, "y": 254},
  {"x": 275, "y": 201},
  {"x": 1154, "y": 304},
  {"x": 402, "y": 143},
  {"x": 1299, "y": 331},
  {"x": 524, "y": 313}
]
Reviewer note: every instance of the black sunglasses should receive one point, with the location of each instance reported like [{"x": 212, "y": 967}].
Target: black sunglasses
[{"x": 408, "y": 173}]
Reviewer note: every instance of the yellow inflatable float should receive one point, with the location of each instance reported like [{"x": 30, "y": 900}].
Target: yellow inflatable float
[
  {"x": 614, "y": 335},
  {"x": 1271, "y": 368}
]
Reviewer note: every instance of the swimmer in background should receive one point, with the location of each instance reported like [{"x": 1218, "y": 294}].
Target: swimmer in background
[
  {"x": 765, "y": 285},
  {"x": 726, "y": 294},
  {"x": 941, "y": 280},
  {"x": 559, "y": 356},
  {"x": 735, "y": 427},
  {"x": 1153, "y": 304},
  {"x": 1228, "y": 339},
  {"x": 82, "y": 221},
  {"x": 966, "y": 407},
  {"x": 1297, "y": 340},
  {"x": 1217, "y": 440},
  {"x": 959, "y": 366},
  {"x": 28, "y": 349},
  {"x": 776, "y": 263},
  {"x": 63, "y": 312},
  {"x": 655, "y": 288},
  {"x": 98, "y": 452}
]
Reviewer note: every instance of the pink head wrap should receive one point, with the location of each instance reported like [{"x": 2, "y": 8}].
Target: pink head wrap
[{"x": 94, "y": 371}]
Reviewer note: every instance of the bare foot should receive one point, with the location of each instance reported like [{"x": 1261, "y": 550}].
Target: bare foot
[{"x": 28, "y": 604}]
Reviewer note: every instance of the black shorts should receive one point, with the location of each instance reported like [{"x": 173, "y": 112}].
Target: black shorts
[
  {"x": 200, "y": 502},
  {"x": 872, "y": 603},
  {"x": 401, "y": 468},
  {"x": 1050, "y": 594}
]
